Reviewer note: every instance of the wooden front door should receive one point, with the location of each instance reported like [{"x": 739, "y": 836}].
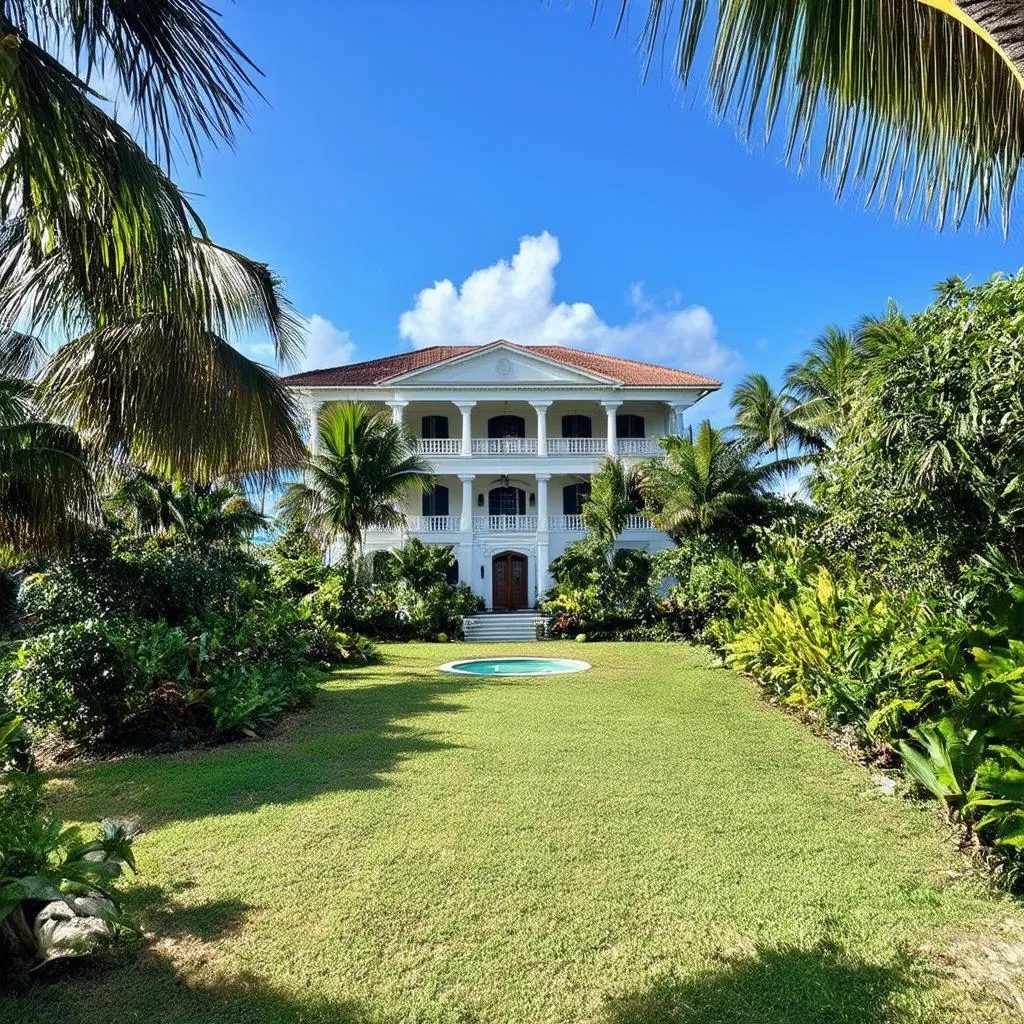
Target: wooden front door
[{"x": 508, "y": 577}]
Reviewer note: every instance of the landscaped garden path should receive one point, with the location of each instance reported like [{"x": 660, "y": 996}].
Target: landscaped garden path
[{"x": 642, "y": 842}]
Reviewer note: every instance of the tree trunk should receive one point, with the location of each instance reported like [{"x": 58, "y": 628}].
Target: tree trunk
[
  {"x": 17, "y": 948},
  {"x": 1001, "y": 21}
]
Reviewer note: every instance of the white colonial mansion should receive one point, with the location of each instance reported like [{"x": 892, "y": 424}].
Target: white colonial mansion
[{"x": 513, "y": 433}]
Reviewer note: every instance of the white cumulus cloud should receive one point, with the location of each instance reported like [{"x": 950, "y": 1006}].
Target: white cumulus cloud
[
  {"x": 515, "y": 299},
  {"x": 326, "y": 345}
]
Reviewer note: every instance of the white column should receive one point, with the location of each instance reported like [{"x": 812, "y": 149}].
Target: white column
[
  {"x": 396, "y": 408},
  {"x": 541, "y": 408},
  {"x": 314, "y": 427},
  {"x": 466, "y": 408},
  {"x": 613, "y": 439},
  {"x": 542, "y": 502},
  {"x": 543, "y": 576},
  {"x": 466, "y": 519},
  {"x": 464, "y": 553},
  {"x": 676, "y": 410}
]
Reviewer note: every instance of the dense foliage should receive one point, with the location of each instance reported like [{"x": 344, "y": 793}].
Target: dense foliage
[{"x": 401, "y": 595}]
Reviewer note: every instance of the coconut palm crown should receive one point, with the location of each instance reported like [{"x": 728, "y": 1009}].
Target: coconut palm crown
[{"x": 366, "y": 466}]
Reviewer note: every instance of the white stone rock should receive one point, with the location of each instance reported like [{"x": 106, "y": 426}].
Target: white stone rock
[{"x": 70, "y": 927}]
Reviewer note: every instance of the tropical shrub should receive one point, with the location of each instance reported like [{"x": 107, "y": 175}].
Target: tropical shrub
[
  {"x": 41, "y": 860},
  {"x": 83, "y": 679}
]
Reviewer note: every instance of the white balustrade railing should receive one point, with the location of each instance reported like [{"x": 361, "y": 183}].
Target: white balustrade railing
[
  {"x": 628, "y": 446},
  {"x": 567, "y": 524},
  {"x": 439, "y": 446},
  {"x": 504, "y": 446},
  {"x": 638, "y": 446},
  {"x": 504, "y": 524},
  {"x": 577, "y": 446},
  {"x": 637, "y": 523},
  {"x": 432, "y": 524}
]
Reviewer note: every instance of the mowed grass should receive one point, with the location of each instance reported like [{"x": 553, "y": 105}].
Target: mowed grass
[{"x": 642, "y": 842}]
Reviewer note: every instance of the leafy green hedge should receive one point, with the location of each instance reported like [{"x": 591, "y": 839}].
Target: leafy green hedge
[{"x": 143, "y": 641}]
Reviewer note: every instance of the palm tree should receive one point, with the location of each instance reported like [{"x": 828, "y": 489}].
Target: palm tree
[
  {"x": 47, "y": 494},
  {"x": 99, "y": 245},
  {"x": 823, "y": 384},
  {"x": 921, "y": 102},
  {"x": 710, "y": 486},
  {"x": 202, "y": 513},
  {"x": 615, "y": 495},
  {"x": 763, "y": 415},
  {"x": 366, "y": 466}
]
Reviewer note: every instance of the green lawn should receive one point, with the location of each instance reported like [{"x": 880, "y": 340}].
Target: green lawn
[{"x": 643, "y": 842}]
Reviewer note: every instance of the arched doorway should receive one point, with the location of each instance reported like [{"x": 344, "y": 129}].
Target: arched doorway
[{"x": 509, "y": 582}]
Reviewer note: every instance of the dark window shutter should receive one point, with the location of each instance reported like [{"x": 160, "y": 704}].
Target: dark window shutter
[
  {"x": 630, "y": 425},
  {"x": 577, "y": 426}
]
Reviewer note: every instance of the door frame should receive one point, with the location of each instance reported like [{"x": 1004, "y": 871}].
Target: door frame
[{"x": 507, "y": 603}]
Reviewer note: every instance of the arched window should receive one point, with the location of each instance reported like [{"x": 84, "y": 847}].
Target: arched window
[
  {"x": 435, "y": 427},
  {"x": 629, "y": 425},
  {"x": 453, "y": 572},
  {"x": 506, "y": 501},
  {"x": 506, "y": 426},
  {"x": 574, "y": 497},
  {"x": 577, "y": 426},
  {"x": 435, "y": 502}
]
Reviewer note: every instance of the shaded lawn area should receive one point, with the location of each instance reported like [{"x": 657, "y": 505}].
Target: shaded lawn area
[{"x": 643, "y": 842}]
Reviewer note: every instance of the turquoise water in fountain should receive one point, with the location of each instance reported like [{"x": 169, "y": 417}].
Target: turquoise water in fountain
[{"x": 514, "y": 666}]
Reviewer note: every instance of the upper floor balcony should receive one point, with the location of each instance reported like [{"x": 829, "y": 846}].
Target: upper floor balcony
[
  {"x": 520, "y": 428},
  {"x": 421, "y": 525},
  {"x": 626, "y": 447}
]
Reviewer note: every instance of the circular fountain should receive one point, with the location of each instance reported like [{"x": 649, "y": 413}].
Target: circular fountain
[{"x": 514, "y": 667}]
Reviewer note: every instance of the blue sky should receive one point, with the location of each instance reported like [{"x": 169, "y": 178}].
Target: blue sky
[{"x": 404, "y": 144}]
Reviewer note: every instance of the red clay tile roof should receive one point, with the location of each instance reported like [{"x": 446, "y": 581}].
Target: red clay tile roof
[{"x": 378, "y": 371}]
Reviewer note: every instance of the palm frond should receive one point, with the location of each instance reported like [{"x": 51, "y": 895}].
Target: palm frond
[
  {"x": 47, "y": 496},
  {"x": 72, "y": 177},
  {"x": 911, "y": 105},
  {"x": 175, "y": 65},
  {"x": 174, "y": 398},
  {"x": 232, "y": 294}
]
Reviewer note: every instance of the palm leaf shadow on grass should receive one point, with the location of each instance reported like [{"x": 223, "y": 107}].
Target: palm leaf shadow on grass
[
  {"x": 157, "y": 909},
  {"x": 351, "y": 740},
  {"x": 781, "y": 985},
  {"x": 825, "y": 984}
]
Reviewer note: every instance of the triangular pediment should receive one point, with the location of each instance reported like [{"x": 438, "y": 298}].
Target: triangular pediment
[{"x": 498, "y": 364}]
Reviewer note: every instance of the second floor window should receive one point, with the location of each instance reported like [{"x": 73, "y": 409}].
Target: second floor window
[
  {"x": 435, "y": 503},
  {"x": 574, "y": 497},
  {"x": 506, "y": 426},
  {"x": 506, "y": 501},
  {"x": 629, "y": 425},
  {"x": 576, "y": 426},
  {"x": 435, "y": 427}
]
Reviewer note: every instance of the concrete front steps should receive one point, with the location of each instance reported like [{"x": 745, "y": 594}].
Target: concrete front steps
[{"x": 502, "y": 627}]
